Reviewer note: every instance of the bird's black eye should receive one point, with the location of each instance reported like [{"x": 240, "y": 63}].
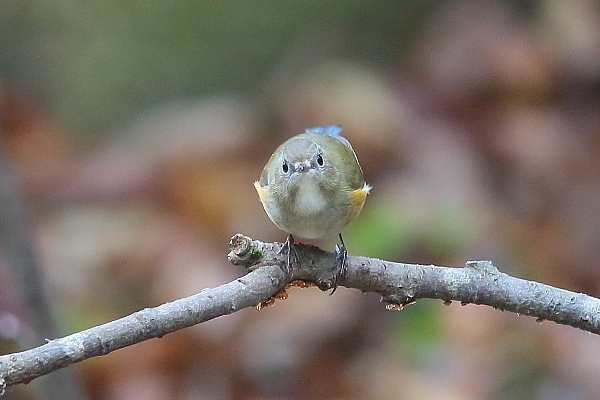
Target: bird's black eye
[
  {"x": 284, "y": 167},
  {"x": 320, "y": 160}
]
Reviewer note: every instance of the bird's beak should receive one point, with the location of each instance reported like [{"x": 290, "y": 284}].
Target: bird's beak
[{"x": 302, "y": 167}]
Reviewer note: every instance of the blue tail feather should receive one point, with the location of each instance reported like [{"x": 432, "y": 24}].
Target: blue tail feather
[{"x": 331, "y": 130}]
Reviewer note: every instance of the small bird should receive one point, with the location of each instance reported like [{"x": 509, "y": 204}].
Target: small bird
[{"x": 312, "y": 187}]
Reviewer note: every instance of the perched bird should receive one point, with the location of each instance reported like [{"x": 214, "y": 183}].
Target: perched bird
[{"x": 312, "y": 187}]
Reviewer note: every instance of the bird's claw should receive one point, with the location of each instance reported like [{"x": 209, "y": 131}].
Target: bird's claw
[
  {"x": 287, "y": 265},
  {"x": 341, "y": 265}
]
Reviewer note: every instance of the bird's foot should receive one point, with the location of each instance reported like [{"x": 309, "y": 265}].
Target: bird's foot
[
  {"x": 291, "y": 259},
  {"x": 341, "y": 265}
]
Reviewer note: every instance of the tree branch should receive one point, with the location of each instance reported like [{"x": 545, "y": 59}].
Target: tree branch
[{"x": 399, "y": 284}]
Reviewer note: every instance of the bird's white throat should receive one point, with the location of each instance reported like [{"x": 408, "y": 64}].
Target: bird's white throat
[{"x": 309, "y": 198}]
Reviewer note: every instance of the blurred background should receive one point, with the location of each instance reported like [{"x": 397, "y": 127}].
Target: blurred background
[{"x": 137, "y": 128}]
